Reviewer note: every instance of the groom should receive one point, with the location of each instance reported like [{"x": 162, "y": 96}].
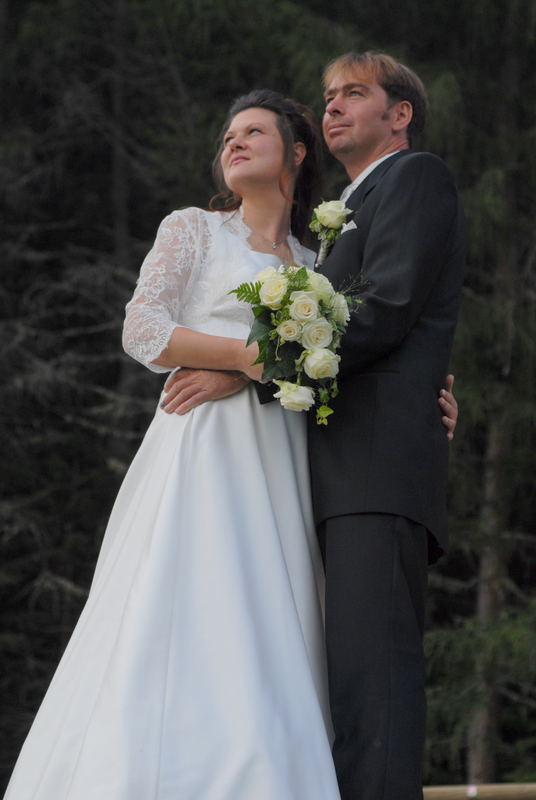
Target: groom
[{"x": 379, "y": 468}]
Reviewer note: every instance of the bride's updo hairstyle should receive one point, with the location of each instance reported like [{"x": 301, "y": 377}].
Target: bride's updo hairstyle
[{"x": 296, "y": 123}]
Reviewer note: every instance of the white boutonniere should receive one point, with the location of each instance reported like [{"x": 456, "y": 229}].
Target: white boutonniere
[{"x": 328, "y": 222}]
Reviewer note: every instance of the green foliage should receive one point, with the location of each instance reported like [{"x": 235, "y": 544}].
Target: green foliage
[
  {"x": 322, "y": 414},
  {"x": 454, "y": 656},
  {"x": 248, "y": 293},
  {"x": 281, "y": 360},
  {"x": 262, "y": 325}
]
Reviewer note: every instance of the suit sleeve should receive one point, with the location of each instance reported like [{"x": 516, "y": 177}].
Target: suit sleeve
[
  {"x": 265, "y": 392},
  {"x": 413, "y": 221}
]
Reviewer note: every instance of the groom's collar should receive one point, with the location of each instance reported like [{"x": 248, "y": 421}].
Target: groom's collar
[
  {"x": 355, "y": 193},
  {"x": 350, "y": 189}
]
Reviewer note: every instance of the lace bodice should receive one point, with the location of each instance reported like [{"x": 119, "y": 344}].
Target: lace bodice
[{"x": 197, "y": 258}]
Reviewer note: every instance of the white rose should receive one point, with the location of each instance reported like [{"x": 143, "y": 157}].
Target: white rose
[
  {"x": 294, "y": 397},
  {"x": 321, "y": 363},
  {"x": 339, "y": 305},
  {"x": 289, "y": 330},
  {"x": 264, "y": 274},
  {"x": 332, "y": 214},
  {"x": 273, "y": 290},
  {"x": 304, "y": 306},
  {"x": 321, "y": 286},
  {"x": 317, "y": 333}
]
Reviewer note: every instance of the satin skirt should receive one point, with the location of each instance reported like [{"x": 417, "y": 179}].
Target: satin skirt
[{"x": 197, "y": 668}]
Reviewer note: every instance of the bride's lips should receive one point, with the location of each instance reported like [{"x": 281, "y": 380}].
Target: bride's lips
[{"x": 238, "y": 159}]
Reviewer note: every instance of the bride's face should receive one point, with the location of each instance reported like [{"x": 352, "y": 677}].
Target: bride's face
[{"x": 253, "y": 151}]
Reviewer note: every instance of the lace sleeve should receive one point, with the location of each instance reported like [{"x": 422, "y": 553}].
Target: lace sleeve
[{"x": 153, "y": 312}]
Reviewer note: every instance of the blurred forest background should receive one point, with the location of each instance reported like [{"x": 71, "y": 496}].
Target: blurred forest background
[{"x": 110, "y": 110}]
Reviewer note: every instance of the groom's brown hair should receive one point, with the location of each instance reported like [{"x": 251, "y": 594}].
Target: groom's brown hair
[{"x": 398, "y": 81}]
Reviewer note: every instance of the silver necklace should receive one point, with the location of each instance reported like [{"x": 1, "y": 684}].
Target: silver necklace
[
  {"x": 272, "y": 244},
  {"x": 276, "y": 244}
]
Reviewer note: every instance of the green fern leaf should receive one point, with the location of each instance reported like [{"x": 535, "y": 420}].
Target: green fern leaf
[{"x": 248, "y": 293}]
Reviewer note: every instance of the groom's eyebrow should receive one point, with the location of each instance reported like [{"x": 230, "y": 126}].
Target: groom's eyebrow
[{"x": 329, "y": 93}]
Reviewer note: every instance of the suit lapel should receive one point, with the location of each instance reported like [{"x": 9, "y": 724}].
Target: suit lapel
[
  {"x": 356, "y": 200},
  {"x": 357, "y": 197}
]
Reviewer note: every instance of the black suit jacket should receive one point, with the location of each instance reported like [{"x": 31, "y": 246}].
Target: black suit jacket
[{"x": 385, "y": 448}]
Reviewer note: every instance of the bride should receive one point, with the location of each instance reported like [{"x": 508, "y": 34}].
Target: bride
[{"x": 196, "y": 670}]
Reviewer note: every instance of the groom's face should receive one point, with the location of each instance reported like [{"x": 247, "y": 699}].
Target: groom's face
[{"x": 357, "y": 119}]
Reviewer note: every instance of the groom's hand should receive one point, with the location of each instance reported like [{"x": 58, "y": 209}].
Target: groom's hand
[
  {"x": 449, "y": 406},
  {"x": 189, "y": 388}
]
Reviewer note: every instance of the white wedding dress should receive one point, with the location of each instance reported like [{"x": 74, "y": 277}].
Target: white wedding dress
[{"x": 196, "y": 670}]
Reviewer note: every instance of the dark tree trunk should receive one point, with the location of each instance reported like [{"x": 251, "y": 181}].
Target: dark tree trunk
[{"x": 483, "y": 731}]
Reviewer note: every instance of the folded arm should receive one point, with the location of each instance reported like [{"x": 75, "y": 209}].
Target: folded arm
[
  {"x": 188, "y": 388},
  {"x": 189, "y": 348},
  {"x": 151, "y": 332}
]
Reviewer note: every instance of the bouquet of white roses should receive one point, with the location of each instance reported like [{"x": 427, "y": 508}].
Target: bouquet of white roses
[{"x": 298, "y": 325}]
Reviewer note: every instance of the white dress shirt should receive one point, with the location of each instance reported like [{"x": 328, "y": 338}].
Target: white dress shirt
[{"x": 362, "y": 175}]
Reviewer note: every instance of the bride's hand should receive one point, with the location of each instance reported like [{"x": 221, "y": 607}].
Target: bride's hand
[{"x": 253, "y": 371}]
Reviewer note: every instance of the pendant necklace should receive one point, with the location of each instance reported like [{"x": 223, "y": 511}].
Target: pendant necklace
[
  {"x": 272, "y": 244},
  {"x": 276, "y": 244}
]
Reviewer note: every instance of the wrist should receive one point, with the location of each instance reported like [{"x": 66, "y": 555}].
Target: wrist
[
  {"x": 237, "y": 376},
  {"x": 244, "y": 358}
]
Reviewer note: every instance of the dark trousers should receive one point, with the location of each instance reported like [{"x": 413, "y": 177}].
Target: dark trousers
[{"x": 376, "y": 567}]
